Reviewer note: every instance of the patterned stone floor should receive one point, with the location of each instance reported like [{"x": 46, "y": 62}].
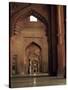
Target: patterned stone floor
[{"x": 41, "y": 80}]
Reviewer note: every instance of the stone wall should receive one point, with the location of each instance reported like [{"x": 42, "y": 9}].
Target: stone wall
[{"x": 25, "y": 33}]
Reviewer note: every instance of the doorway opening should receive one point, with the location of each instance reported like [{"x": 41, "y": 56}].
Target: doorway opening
[{"x": 34, "y": 58}]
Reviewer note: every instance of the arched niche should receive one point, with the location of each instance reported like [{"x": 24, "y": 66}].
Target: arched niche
[{"x": 33, "y": 58}]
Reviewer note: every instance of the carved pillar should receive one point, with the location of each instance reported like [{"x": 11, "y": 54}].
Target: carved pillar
[{"x": 61, "y": 43}]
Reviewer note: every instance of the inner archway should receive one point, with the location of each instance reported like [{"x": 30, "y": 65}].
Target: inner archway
[{"x": 33, "y": 54}]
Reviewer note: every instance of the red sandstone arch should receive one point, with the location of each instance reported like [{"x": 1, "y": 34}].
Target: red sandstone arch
[{"x": 26, "y": 13}]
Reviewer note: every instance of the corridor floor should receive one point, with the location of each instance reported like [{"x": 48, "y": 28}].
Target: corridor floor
[{"x": 29, "y": 81}]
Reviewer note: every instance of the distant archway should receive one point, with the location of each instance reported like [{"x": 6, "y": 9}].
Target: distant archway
[{"x": 33, "y": 57}]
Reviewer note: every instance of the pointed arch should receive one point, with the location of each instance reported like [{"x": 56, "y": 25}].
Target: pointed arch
[
  {"x": 33, "y": 43},
  {"x": 33, "y": 54},
  {"x": 26, "y": 13},
  {"x": 34, "y": 13}
]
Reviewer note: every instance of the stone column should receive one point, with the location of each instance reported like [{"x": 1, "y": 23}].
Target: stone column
[
  {"x": 53, "y": 42},
  {"x": 61, "y": 43}
]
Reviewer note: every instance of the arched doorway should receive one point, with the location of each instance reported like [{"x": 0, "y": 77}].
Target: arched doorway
[{"x": 33, "y": 54}]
